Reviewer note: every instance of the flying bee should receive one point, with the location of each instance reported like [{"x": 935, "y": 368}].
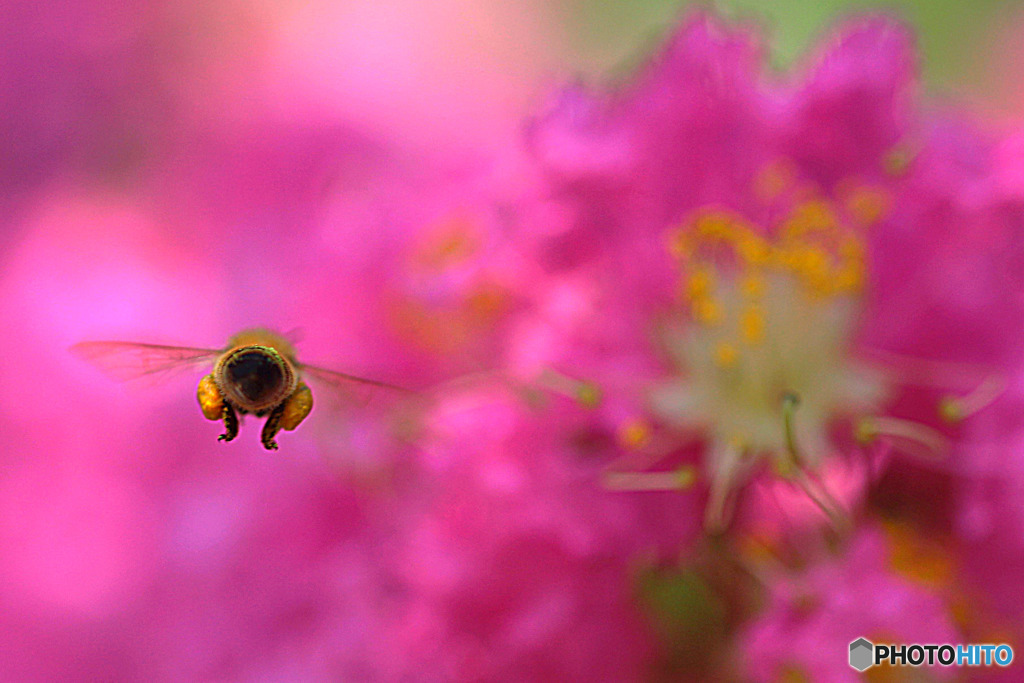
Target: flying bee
[{"x": 257, "y": 373}]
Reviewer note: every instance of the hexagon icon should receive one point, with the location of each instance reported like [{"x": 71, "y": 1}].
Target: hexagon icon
[{"x": 861, "y": 654}]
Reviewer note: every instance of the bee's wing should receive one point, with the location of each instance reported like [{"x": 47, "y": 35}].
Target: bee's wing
[
  {"x": 375, "y": 416},
  {"x": 349, "y": 385},
  {"x": 128, "y": 360}
]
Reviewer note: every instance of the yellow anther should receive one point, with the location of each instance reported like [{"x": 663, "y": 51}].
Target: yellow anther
[
  {"x": 634, "y": 434},
  {"x": 752, "y": 249},
  {"x": 700, "y": 283},
  {"x": 897, "y": 161},
  {"x": 686, "y": 476},
  {"x": 950, "y": 410},
  {"x": 812, "y": 266},
  {"x": 814, "y": 214},
  {"x": 822, "y": 284},
  {"x": 775, "y": 258},
  {"x": 849, "y": 280},
  {"x": 818, "y": 214},
  {"x": 865, "y": 431},
  {"x": 799, "y": 260},
  {"x": 588, "y": 394},
  {"x": 955, "y": 409},
  {"x": 752, "y": 325},
  {"x": 752, "y": 286},
  {"x": 726, "y": 355},
  {"x": 813, "y": 262},
  {"x": 714, "y": 225},
  {"x": 707, "y": 311}
]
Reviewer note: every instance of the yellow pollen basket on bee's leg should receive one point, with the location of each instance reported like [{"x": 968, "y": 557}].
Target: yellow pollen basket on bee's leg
[
  {"x": 210, "y": 400},
  {"x": 214, "y": 407},
  {"x": 287, "y": 415},
  {"x": 297, "y": 407}
]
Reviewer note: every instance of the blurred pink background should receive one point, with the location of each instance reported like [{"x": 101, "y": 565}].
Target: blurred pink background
[
  {"x": 166, "y": 172},
  {"x": 175, "y": 172}
]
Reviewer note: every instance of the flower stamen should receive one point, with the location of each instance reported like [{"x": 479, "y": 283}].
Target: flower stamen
[
  {"x": 722, "y": 498},
  {"x": 673, "y": 480},
  {"x": 585, "y": 393},
  {"x": 817, "y": 492},
  {"x": 956, "y": 409},
  {"x": 790, "y": 402},
  {"x": 915, "y": 439}
]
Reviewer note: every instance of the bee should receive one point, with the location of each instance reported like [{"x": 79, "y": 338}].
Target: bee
[{"x": 257, "y": 373}]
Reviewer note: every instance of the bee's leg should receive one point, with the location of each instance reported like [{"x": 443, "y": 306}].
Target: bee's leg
[
  {"x": 216, "y": 408},
  {"x": 272, "y": 427},
  {"x": 230, "y": 423},
  {"x": 297, "y": 407}
]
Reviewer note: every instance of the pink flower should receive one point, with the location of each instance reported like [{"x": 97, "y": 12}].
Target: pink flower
[
  {"x": 791, "y": 246},
  {"x": 813, "y": 615},
  {"x": 512, "y": 563}
]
